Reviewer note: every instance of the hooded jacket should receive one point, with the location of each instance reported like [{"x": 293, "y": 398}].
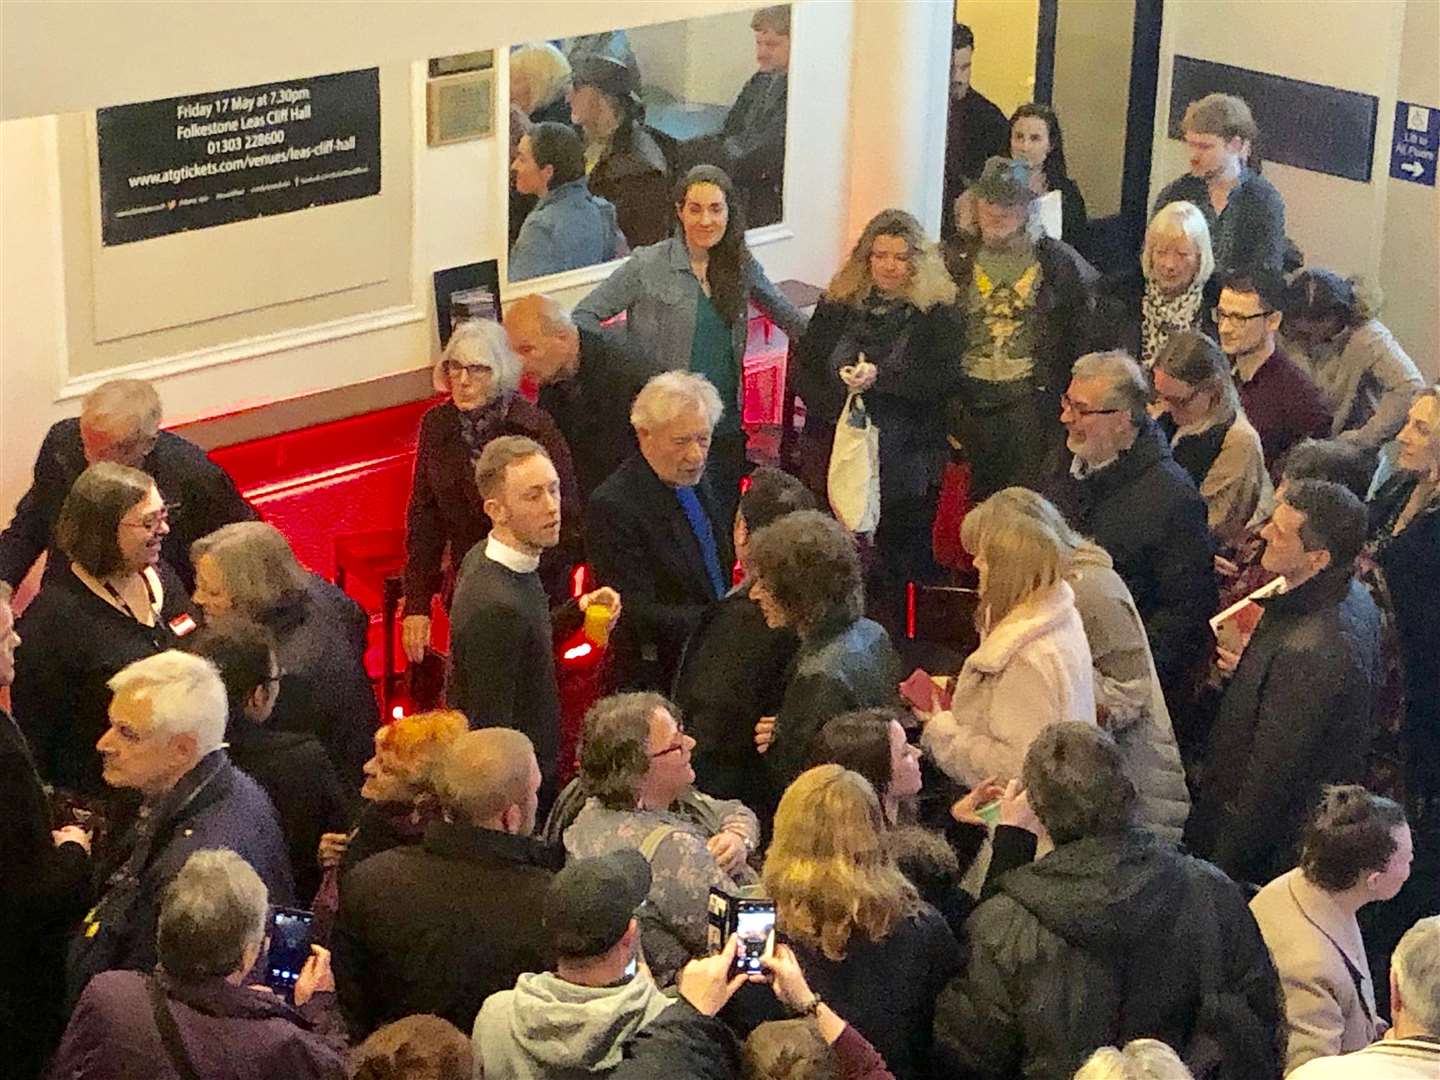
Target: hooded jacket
[
  {"x": 1033, "y": 668},
  {"x": 550, "y": 1029},
  {"x": 1107, "y": 939}
]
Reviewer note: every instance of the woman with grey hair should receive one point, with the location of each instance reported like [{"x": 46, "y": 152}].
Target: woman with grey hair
[
  {"x": 115, "y": 602},
  {"x": 1129, "y": 702},
  {"x": 1174, "y": 288},
  {"x": 320, "y": 636},
  {"x": 197, "y": 1015},
  {"x": 445, "y": 519},
  {"x": 1210, "y": 436},
  {"x": 639, "y": 786}
]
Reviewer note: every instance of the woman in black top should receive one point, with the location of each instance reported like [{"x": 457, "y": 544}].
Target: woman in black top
[
  {"x": 887, "y": 329},
  {"x": 117, "y": 602},
  {"x": 1035, "y": 139}
]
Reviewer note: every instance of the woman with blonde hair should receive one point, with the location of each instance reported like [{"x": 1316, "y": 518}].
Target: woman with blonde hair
[
  {"x": 1129, "y": 702},
  {"x": 887, "y": 329},
  {"x": 1141, "y": 1059},
  {"x": 1033, "y": 665},
  {"x": 870, "y": 947},
  {"x": 481, "y": 374},
  {"x": 1175, "y": 287},
  {"x": 539, "y": 79},
  {"x": 248, "y": 568}
]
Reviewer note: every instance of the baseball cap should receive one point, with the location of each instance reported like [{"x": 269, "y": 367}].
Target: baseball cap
[
  {"x": 591, "y": 901},
  {"x": 1005, "y": 182}
]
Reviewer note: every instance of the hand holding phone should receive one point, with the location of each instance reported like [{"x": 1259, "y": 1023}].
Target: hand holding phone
[{"x": 289, "y": 951}]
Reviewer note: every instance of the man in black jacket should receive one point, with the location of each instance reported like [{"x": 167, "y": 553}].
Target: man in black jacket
[
  {"x": 588, "y": 381},
  {"x": 733, "y": 669},
  {"x": 976, "y": 129},
  {"x": 1136, "y": 502},
  {"x": 753, "y": 135},
  {"x": 292, "y": 766},
  {"x": 1112, "y": 936},
  {"x": 502, "y": 655},
  {"x": 120, "y": 421},
  {"x": 440, "y": 927},
  {"x": 1299, "y": 711},
  {"x": 651, "y": 531}
]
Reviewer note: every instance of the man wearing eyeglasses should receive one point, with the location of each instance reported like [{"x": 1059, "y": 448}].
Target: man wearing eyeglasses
[
  {"x": 1280, "y": 398},
  {"x": 1131, "y": 495},
  {"x": 120, "y": 422}
]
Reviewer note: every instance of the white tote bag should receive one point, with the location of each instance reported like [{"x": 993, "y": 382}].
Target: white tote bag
[{"x": 854, "y": 480}]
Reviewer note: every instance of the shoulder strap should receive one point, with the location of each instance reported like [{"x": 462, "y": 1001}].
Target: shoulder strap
[
  {"x": 653, "y": 839},
  {"x": 169, "y": 1031}
]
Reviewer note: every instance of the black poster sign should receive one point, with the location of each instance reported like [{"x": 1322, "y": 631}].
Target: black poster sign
[{"x": 231, "y": 155}]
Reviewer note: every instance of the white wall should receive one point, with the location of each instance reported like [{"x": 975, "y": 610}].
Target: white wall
[
  {"x": 1357, "y": 45},
  {"x": 62, "y": 57}
]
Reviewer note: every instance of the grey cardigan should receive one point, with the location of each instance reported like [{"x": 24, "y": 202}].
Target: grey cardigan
[
  {"x": 1128, "y": 691},
  {"x": 657, "y": 290}
]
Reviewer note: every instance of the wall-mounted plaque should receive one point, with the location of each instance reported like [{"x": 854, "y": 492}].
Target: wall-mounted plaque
[{"x": 230, "y": 155}]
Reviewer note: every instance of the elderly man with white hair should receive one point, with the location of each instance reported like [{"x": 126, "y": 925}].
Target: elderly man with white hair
[
  {"x": 165, "y": 741},
  {"x": 1132, "y": 497},
  {"x": 652, "y": 530},
  {"x": 1410, "y": 1050},
  {"x": 481, "y": 374},
  {"x": 120, "y": 421}
]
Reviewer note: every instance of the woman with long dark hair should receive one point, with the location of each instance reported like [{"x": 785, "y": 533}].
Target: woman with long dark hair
[
  {"x": 1035, "y": 139},
  {"x": 686, "y": 301}
]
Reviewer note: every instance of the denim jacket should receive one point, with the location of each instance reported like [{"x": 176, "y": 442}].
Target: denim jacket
[
  {"x": 657, "y": 290},
  {"x": 568, "y": 228}
]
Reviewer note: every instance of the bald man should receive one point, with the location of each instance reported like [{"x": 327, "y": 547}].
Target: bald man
[
  {"x": 587, "y": 380},
  {"x": 120, "y": 421}
]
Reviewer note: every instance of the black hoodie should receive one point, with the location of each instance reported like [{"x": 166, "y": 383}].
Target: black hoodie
[{"x": 1104, "y": 940}]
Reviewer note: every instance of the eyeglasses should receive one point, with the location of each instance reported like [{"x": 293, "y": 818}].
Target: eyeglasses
[
  {"x": 1179, "y": 402},
  {"x": 675, "y": 747},
  {"x": 1221, "y": 316},
  {"x": 454, "y": 369},
  {"x": 1067, "y": 403},
  {"x": 152, "y": 521}
]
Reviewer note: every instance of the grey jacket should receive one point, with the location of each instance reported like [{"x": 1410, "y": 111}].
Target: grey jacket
[
  {"x": 658, "y": 291},
  {"x": 550, "y": 1029},
  {"x": 1127, "y": 691},
  {"x": 568, "y": 228},
  {"x": 1367, "y": 380}
]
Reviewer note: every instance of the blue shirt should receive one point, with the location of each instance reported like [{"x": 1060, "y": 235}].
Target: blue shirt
[{"x": 568, "y": 228}]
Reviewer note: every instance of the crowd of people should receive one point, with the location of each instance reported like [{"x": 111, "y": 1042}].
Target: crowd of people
[{"x": 1126, "y": 835}]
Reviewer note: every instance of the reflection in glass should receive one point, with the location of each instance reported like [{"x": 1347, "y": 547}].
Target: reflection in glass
[
  {"x": 710, "y": 94},
  {"x": 570, "y": 226}
]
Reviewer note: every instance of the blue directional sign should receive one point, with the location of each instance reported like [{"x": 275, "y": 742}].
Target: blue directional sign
[{"x": 1417, "y": 141}]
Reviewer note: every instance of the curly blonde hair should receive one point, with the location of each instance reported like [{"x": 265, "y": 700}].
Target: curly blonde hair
[
  {"x": 829, "y": 869},
  {"x": 419, "y": 741},
  {"x": 930, "y": 283}
]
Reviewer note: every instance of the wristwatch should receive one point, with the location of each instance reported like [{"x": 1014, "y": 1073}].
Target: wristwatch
[{"x": 811, "y": 1006}]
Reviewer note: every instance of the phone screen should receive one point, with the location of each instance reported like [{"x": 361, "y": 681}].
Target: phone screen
[
  {"x": 289, "y": 948},
  {"x": 755, "y": 927}
]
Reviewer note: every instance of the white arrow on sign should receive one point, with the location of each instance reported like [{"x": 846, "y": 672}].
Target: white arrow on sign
[{"x": 1414, "y": 168}]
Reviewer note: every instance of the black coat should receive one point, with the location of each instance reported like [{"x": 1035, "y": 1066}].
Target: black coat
[
  {"x": 976, "y": 129},
  {"x": 885, "y": 989},
  {"x": 732, "y": 674},
  {"x": 1104, "y": 940},
  {"x": 906, "y": 403},
  {"x": 592, "y": 410},
  {"x": 320, "y": 637},
  {"x": 45, "y": 891},
  {"x": 201, "y": 495},
  {"x": 1147, "y": 513},
  {"x": 440, "y": 927},
  {"x": 640, "y": 542},
  {"x": 634, "y": 175},
  {"x": 446, "y": 510},
  {"x": 502, "y": 656},
  {"x": 300, "y": 779},
  {"x": 72, "y": 642},
  {"x": 681, "y": 1042},
  {"x": 846, "y": 664},
  {"x": 1410, "y": 561},
  {"x": 754, "y": 141},
  {"x": 1297, "y": 715}
]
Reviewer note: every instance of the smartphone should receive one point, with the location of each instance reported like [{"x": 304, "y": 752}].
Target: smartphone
[
  {"x": 755, "y": 927},
  {"x": 290, "y": 933}
]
